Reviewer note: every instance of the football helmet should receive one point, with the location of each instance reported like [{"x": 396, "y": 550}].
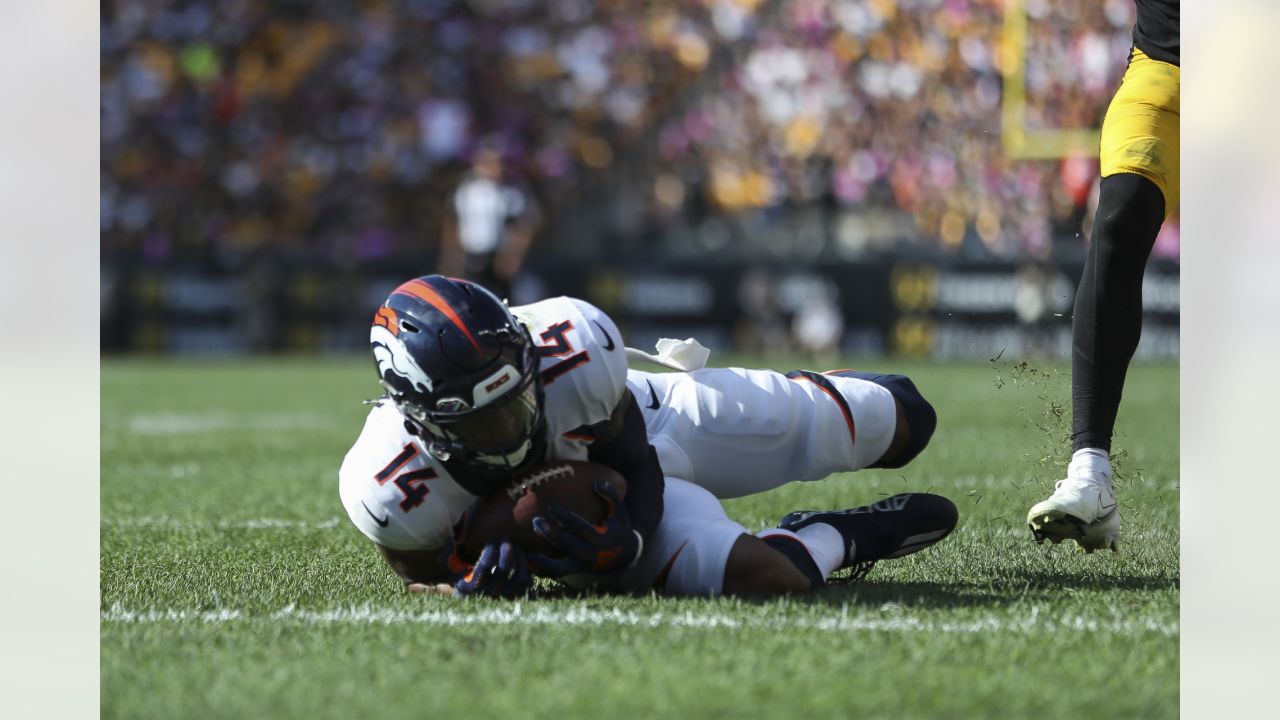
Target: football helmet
[{"x": 464, "y": 373}]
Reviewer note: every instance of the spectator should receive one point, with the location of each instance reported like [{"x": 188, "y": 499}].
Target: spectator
[{"x": 488, "y": 233}]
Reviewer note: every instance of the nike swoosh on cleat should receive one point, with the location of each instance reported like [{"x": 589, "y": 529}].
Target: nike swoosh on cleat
[
  {"x": 608, "y": 339},
  {"x": 653, "y": 396},
  {"x": 382, "y": 522}
]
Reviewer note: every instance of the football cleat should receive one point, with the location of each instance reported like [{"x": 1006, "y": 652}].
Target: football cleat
[
  {"x": 890, "y": 528},
  {"x": 1083, "y": 509}
]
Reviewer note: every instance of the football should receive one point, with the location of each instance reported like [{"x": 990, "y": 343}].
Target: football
[{"x": 509, "y": 513}]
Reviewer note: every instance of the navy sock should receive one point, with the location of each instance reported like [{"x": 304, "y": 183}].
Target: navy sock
[{"x": 796, "y": 552}]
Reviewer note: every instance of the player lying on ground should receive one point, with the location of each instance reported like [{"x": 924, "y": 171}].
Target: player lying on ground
[
  {"x": 472, "y": 402},
  {"x": 1139, "y": 158}
]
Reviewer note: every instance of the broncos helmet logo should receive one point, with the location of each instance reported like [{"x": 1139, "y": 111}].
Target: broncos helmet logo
[{"x": 392, "y": 356}]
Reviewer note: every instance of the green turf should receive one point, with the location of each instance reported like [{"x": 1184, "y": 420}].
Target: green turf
[{"x": 232, "y": 585}]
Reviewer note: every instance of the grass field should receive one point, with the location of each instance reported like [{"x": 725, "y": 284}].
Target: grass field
[{"x": 233, "y": 586}]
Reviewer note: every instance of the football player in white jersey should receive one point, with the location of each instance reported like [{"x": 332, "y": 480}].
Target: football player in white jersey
[{"x": 476, "y": 394}]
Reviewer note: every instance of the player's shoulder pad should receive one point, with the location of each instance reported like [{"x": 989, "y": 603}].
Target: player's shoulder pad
[
  {"x": 584, "y": 362},
  {"x": 611, "y": 353},
  {"x": 373, "y": 506}
]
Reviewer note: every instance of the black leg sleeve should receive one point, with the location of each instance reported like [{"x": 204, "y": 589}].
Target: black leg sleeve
[{"x": 1108, "y": 312}]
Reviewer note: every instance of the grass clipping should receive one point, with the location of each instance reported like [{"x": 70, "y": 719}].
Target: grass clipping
[{"x": 1044, "y": 406}]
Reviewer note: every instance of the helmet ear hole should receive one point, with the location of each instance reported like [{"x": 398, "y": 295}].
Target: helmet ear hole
[{"x": 407, "y": 326}]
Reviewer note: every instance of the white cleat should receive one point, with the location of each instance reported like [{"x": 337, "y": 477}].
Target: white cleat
[{"x": 1083, "y": 509}]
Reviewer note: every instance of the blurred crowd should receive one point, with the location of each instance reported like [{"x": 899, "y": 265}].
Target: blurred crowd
[
  {"x": 892, "y": 109},
  {"x": 338, "y": 130}
]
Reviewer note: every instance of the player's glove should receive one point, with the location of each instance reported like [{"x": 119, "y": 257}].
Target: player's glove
[
  {"x": 501, "y": 571},
  {"x": 610, "y": 545}
]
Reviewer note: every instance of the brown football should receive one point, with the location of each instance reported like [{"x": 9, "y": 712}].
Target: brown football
[{"x": 509, "y": 513}]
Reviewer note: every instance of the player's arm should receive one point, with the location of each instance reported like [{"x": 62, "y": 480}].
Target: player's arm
[
  {"x": 623, "y": 444},
  {"x": 451, "y": 256},
  {"x": 511, "y": 253},
  {"x": 617, "y": 541}
]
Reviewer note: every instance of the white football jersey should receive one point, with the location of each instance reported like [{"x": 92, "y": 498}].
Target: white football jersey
[
  {"x": 584, "y": 370},
  {"x": 401, "y": 497}
]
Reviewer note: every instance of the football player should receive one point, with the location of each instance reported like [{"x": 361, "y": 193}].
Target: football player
[
  {"x": 477, "y": 394},
  {"x": 1139, "y": 189}
]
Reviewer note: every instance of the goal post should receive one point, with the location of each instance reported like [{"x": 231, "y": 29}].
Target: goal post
[{"x": 1020, "y": 141}]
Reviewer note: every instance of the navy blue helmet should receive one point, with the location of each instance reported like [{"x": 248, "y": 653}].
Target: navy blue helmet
[{"x": 464, "y": 373}]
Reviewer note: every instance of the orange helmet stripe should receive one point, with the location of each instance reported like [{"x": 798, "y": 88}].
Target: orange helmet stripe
[{"x": 426, "y": 293}]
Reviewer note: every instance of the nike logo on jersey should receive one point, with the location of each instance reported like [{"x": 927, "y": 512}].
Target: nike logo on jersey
[
  {"x": 382, "y": 522},
  {"x": 608, "y": 339},
  {"x": 653, "y": 396}
]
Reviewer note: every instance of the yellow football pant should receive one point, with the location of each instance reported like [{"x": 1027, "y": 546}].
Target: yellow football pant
[{"x": 1140, "y": 131}]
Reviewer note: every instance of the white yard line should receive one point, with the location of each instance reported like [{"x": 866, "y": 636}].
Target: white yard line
[
  {"x": 518, "y": 614},
  {"x": 164, "y": 521},
  {"x": 178, "y": 423}
]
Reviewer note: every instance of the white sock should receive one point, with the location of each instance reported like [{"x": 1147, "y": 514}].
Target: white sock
[
  {"x": 824, "y": 543},
  {"x": 1090, "y": 463}
]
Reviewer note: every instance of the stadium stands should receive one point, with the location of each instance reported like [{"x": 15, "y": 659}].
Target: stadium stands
[{"x": 334, "y": 131}]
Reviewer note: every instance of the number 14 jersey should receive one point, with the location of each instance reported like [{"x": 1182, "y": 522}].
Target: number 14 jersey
[{"x": 402, "y": 497}]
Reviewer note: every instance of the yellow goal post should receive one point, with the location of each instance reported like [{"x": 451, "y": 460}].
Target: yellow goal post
[{"x": 1019, "y": 141}]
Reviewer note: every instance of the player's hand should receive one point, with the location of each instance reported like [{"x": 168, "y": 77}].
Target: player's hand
[
  {"x": 501, "y": 571},
  {"x": 608, "y": 546}
]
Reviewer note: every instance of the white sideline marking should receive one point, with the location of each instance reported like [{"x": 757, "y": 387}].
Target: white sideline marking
[
  {"x": 250, "y": 524},
  {"x": 163, "y": 521},
  {"x": 518, "y": 614},
  {"x": 188, "y": 423}
]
